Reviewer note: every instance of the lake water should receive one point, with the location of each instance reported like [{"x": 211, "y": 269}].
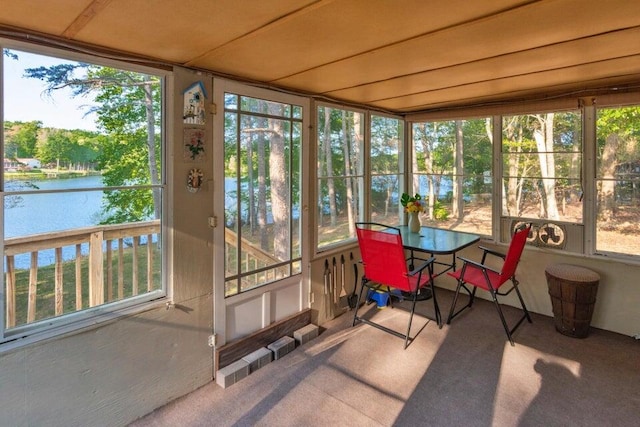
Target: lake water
[
  {"x": 46, "y": 212},
  {"x": 29, "y": 214}
]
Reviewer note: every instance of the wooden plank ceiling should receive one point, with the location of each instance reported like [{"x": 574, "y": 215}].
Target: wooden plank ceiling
[{"x": 401, "y": 56}]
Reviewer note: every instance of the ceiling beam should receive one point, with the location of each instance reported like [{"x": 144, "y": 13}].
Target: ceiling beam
[
  {"x": 81, "y": 21},
  {"x": 448, "y": 28},
  {"x": 219, "y": 50}
]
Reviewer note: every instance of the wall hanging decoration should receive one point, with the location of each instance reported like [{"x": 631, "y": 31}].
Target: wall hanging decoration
[
  {"x": 194, "y": 105},
  {"x": 194, "y": 144},
  {"x": 194, "y": 180}
]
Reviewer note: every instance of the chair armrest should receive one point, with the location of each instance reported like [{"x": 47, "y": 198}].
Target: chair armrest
[
  {"x": 422, "y": 267},
  {"x": 477, "y": 264},
  {"x": 492, "y": 252}
]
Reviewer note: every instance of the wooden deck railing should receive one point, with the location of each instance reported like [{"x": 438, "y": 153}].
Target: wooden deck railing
[
  {"x": 99, "y": 261},
  {"x": 263, "y": 265}
]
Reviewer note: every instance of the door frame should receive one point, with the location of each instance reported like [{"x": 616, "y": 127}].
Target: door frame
[{"x": 241, "y": 314}]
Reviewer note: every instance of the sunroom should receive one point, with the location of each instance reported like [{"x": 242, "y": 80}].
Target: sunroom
[{"x": 182, "y": 181}]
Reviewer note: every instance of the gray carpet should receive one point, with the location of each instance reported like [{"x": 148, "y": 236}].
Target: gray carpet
[{"x": 466, "y": 373}]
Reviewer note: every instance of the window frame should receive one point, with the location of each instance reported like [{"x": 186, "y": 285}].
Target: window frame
[
  {"x": 586, "y": 105},
  {"x": 402, "y": 155},
  {"x": 362, "y": 202},
  {"x": 413, "y": 173},
  {"x": 574, "y": 232},
  {"x": 67, "y": 323},
  {"x": 591, "y": 114},
  {"x": 238, "y": 112}
]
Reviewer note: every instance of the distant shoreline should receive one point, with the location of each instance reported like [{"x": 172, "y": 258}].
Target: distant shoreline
[{"x": 45, "y": 174}]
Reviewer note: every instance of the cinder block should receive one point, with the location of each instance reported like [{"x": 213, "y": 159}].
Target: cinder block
[
  {"x": 232, "y": 373},
  {"x": 282, "y": 346},
  {"x": 258, "y": 359},
  {"x": 306, "y": 333}
]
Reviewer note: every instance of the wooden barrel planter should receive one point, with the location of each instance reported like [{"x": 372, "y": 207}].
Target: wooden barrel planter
[{"x": 573, "y": 292}]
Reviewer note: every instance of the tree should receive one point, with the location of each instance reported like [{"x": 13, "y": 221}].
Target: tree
[
  {"x": 384, "y": 156},
  {"x": 618, "y": 140},
  {"x": 517, "y": 167},
  {"x": 129, "y": 113},
  {"x": 328, "y": 163},
  {"x": 542, "y": 158},
  {"x": 55, "y": 148},
  {"x": 279, "y": 188},
  {"x": 21, "y": 138},
  {"x": 433, "y": 156},
  {"x": 458, "y": 173},
  {"x": 68, "y": 148},
  {"x": 353, "y": 120},
  {"x": 543, "y": 135}
]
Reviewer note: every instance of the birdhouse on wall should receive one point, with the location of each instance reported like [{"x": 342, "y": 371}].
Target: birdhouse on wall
[{"x": 194, "y": 104}]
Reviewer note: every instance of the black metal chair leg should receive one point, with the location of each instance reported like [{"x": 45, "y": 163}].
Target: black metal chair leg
[
  {"x": 524, "y": 307},
  {"x": 355, "y": 315},
  {"x": 436, "y": 307},
  {"x": 455, "y": 301},
  {"x": 472, "y": 295},
  {"x": 504, "y": 322},
  {"x": 413, "y": 309}
]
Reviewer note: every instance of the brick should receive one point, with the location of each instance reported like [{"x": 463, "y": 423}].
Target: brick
[
  {"x": 282, "y": 346},
  {"x": 258, "y": 359},
  {"x": 306, "y": 333},
  {"x": 232, "y": 373}
]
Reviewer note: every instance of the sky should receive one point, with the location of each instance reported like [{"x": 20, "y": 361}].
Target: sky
[{"x": 25, "y": 101}]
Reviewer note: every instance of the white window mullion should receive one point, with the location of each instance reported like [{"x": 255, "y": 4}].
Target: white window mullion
[
  {"x": 497, "y": 177},
  {"x": 588, "y": 179}
]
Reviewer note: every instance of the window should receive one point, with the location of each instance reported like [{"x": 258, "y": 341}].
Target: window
[
  {"x": 452, "y": 171},
  {"x": 386, "y": 148},
  {"x": 618, "y": 180},
  {"x": 542, "y": 166},
  {"x": 83, "y": 190},
  {"x": 340, "y": 174},
  {"x": 542, "y": 177},
  {"x": 262, "y": 154}
]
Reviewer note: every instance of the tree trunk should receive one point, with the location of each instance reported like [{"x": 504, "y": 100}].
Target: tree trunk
[
  {"x": 262, "y": 192},
  {"x": 513, "y": 198},
  {"x": 431, "y": 195},
  {"x": 608, "y": 173},
  {"x": 278, "y": 175},
  {"x": 329, "y": 165},
  {"x": 457, "y": 206},
  {"x": 544, "y": 141},
  {"x": 414, "y": 161},
  {"x": 251, "y": 203},
  {"x": 347, "y": 166}
]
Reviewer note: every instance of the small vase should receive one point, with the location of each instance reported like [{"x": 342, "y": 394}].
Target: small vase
[{"x": 414, "y": 222}]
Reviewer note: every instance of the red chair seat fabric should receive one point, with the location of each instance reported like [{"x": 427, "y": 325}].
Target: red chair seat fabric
[
  {"x": 481, "y": 276},
  {"x": 385, "y": 267},
  {"x": 474, "y": 276}
]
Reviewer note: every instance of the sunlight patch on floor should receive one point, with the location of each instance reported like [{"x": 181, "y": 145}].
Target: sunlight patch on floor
[
  {"x": 522, "y": 375},
  {"x": 372, "y": 364}
]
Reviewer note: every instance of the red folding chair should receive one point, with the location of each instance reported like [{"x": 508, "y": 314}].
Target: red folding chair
[
  {"x": 385, "y": 267},
  {"x": 481, "y": 276}
]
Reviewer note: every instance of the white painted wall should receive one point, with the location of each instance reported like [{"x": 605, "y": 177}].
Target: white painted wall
[{"x": 114, "y": 373}]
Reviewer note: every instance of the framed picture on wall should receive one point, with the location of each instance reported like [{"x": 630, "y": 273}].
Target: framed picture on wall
[{"x": 194, "y": 143}]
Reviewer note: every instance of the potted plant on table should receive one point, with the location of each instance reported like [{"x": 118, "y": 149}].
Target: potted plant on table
[{"x": 413, "y": 206}]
